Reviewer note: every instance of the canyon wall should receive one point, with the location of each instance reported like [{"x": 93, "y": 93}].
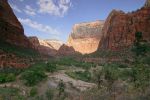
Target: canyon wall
[
  {"x": 46, "y": 47},
  {"x": 120, "y": 28},
  {"x": 11, "y": 29},
  {"x": 85, "y": 37}
]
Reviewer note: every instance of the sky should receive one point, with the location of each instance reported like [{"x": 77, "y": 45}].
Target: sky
[{"x": 54, "y": 19}]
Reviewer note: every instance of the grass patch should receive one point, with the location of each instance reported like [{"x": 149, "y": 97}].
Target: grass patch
[
  {"x": 33, "y": 92},
  {"x": 7, "y": 77},
  {"x": 10, "y": 94},
  {"x": 80, "y": 75},
  {"x": 69, "y": 61}
]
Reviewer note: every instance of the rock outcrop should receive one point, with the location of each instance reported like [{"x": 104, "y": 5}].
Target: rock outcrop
[
  {"x": 11, "y": 29},
  {"x": 66, "y": 50},
  {"x": 85, "y": 37},
  {"x": 120, "y": 28},
  {"x": 45, "y": 47},
  {"x": 147, "y": 4}
]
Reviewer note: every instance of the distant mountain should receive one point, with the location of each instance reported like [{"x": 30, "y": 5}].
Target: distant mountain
[
  {"x": 47, "y": 47},
  {"x": 85, "y": 37}
]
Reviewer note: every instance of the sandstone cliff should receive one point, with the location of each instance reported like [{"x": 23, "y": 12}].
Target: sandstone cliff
[
  {"x": 46, "y": 47},
  {"x": 119, "y": 28},
  {"x": 10, "y": 28},
  {"x": 147, "y": 4},
  {"x": 85, "y": 37}
]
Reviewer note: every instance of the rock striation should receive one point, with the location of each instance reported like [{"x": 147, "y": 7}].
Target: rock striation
[
  {"x": 85, "y": 37},
  {"x": 11, "y": 30},
  {"x": 120, "y": 28},
  {"x": 45, "y": 47}
]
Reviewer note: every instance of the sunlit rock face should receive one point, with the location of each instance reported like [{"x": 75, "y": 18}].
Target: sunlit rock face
[
  {"x": 147, "y": 4},
  {"x": 85, "y": 37},
  {"x": 11, "y": 29},
  {"x": 46, "y": 47},
  {"x": 120, "y": 28}
]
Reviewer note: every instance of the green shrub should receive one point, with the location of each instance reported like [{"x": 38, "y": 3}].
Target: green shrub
[
  {"x": 7, "y": 77},
  {"x": 50, "y": 67},
  {"x": 80, "y": 75},
  {"x": 32, "y": 77},
  {"x": 33, "y": 92},
  {"x": 68, "y": 61},
  {"x": 61, "y": 88},
  {"x": 19, "y": 51}
]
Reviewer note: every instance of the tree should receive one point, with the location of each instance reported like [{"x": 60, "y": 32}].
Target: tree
[
  {"x": 61, "y": 87},
  {"x": 98, "y": 78},
  {"x": 140, "y": 72}
]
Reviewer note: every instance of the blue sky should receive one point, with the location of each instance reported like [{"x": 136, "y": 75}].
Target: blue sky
[{"x": 54, "y": 19}]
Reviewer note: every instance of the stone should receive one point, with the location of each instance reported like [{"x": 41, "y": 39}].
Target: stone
[{"x": 85, "y": 37}]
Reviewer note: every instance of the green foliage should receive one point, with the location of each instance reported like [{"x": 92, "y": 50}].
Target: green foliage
[
  {"x": 10, "y": 94},
  {"x": 50, "y": 67},
  {"x": 140, "y": 71},
  {"x": 68, "y": 61},
  {"x": 98, "y": 77},
  {"x": 32, "y": 77},
  {"x": 140, "y": 45},
  {"x": 8, "y": 70},
  {"x": 7, "y": 77},
  {"x": 61, "y": 87},
  {"x": 19, "y": 51},
  {"x": 50, "y": 94},
  {"x": 141, "y": 76},
  {"x": 110, "y": 73},
  {"x": 9, "y": 91},
  {"x": 33, "y": 91},
  {"x": 80, "y": 75}
]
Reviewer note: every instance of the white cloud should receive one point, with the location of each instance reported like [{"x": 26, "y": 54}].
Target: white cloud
[
  {"x": 14, "y": 7},
  {"x": 29, "y": 10},
  {"x": 39, "y": 27},
  {"x": 59, "y": 8}
]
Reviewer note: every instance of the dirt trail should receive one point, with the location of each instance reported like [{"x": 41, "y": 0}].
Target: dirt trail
[{"x": 81, "y": 85}]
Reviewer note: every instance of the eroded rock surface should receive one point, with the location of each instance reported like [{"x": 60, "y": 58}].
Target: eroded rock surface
[
  {"x": 11, "y": 29},
  {"x": 120, "y": 28},
  {"x": 85, "y": 37}
]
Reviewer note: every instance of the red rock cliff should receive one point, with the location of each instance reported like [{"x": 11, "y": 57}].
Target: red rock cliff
[
  {"x": 10, "y": 28},
  {"x": 119, "y": 28},
  {"x": 85, "y": 37}
]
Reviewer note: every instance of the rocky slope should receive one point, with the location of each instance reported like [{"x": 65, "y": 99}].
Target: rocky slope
[
  {"x": 10, "y": 28},
  {"x": 120, "y": 28},
  {"x": 66, "y": 50},
  {"x": 46, "y": 47},
  {"x": 85, "y": 37},
  {"x": 15, "y": 48}
]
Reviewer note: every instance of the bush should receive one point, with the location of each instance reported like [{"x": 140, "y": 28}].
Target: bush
[
  {"x": 32, "y": 77},
  {"x": 7, "y": 77},
  {"x": 80, "y": 75},
  {"x": 68, "y": 61},
  {"x": 33, "y": 92},
  {"x": 19, "y": 51},
  {"x": 51, "y": 67}
]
